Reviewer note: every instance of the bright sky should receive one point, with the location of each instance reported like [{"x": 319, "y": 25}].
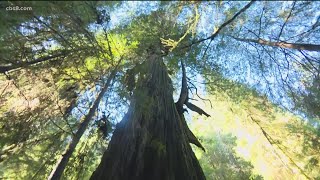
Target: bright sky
[{"x": 211, "y": 16}]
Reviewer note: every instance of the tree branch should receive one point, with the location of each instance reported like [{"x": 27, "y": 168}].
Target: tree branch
[
  {"x": 191, "y": 137},
  {"x": 183, "y": 99},
  {"x": 5, "y": 68},
  {"x": 284, "y": 24},
  {"x": 198, "y": 94},
  {"x": 222, "y": 26},
  {"x": 298, "y": 46},
  {"x": 195, "y": 108},
  {"x": 272, "y": 142},
  {"x": 184, "y": 96},
  {"x": 184, "y": 87}
]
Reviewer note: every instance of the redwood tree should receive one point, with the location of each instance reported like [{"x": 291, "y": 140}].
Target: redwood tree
[{"x": 152, "y": 140}]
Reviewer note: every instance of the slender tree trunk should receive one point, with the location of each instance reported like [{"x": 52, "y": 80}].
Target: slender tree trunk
[
  {"x": 4, "y": 69},
  {"x": 61, "y": 164},
  {"x": 151, "y": 141},
  {"x": 308, "y": 47}
]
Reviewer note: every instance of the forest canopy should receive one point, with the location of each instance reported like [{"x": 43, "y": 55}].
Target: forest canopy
[{"x": 159, "y": 90}]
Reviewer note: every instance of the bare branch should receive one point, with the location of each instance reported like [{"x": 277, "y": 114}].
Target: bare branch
[
  {"x": 191, "y": 137},
  {"x": 184, "y": 87},
  {"x": 260, "y": 21},
  {"x": 298, "y": 46},
  {"x": 195, "y": 108},
  {"x": 273, "y": 142},
  {"x": 198, "y": 94},
  {"x": 284, "y": 24},
  {"x": 5, "y": 68},
  {"x": 222, "y": 26}
]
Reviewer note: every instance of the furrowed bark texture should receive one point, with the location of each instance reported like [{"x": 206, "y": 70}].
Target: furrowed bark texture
[{"x": 151, "y": 141}]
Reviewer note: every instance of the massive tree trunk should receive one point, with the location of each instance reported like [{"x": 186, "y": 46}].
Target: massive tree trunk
[{"x": 151, "y": 142}]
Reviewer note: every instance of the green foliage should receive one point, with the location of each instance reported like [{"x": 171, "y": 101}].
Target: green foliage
[
  {"x": 266, "y": 135},
  {"x": 221, "y": 158},
  {"x": 86, "y": 156},
  {"x": 34, "y": 155},
  {"x": 310, "y": 100}
]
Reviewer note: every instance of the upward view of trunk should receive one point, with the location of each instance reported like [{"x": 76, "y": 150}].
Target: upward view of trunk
[
  {"x": 308, "y": 47},
  {"x": 151, "y": 142}
]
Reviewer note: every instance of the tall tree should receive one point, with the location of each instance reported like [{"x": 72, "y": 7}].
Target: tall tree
[
  {"x": 151, "y": 142},
  {"x": 153, "y": 135},
  {"x": 62, "y": 162}
]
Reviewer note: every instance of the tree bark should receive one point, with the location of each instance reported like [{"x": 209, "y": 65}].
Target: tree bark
[
  {"x": 151, "y": 141},
  {"x": 61, "y": 164},
  {"x": 308, "y": 47}
]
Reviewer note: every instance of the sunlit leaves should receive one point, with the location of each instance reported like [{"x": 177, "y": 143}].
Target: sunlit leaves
[
  {"x": 115, "y": 45},
  {"x": 272, "y": 140}
]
